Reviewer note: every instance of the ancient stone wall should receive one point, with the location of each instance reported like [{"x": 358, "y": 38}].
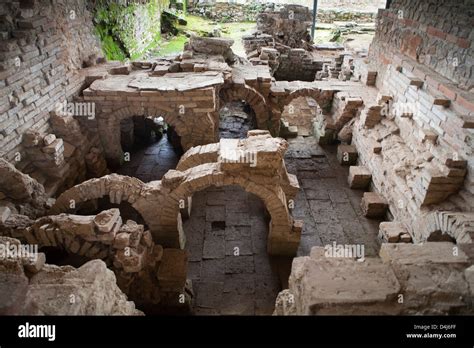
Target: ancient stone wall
[
  {"x": 407, "y": 279},
  {"x": 435, "y": 33},
  {"x": 43, "y": 47},
  {"x": 416, "y": 138},
  {"x": 328, "y": 11},
  {"x": 141, "y": 267},
  {"x": 256, "y": 164},
  {"x": 28, "y": 284}
]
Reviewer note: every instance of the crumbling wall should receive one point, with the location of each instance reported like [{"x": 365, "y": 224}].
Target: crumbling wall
[
  {"x": 289, "y": 25},
  {"x": 29, "y": 286},
  {"x": 328, "y": 11},
  {"x": 141, "y": 267},
  {"x": 407, "y": 279},
  {"x": 416, "y": 138},
  {"x": 435, "y": 33},
  {"x": 44, "y": 46}
]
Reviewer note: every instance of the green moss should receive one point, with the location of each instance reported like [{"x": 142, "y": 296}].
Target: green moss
[
  {"x": 173, "y": 46},
  {"x": 128, "y": 31}
]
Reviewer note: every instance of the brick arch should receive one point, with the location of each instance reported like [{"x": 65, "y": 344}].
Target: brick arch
[
  {"x": 315, "y": 93},
  {"x": 111, "y": 124},
  {"x": 251, "y": 96},
  {"x": 118, "y": 187},
  {"x": 444, "y": 225},
  {"x": 283, "y": 237}
]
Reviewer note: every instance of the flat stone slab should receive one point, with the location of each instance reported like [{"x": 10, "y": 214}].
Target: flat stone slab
[
  {"x": 328, "y": 281},
  {"x": 178, "y": 81},
  {"x": 430, "y": 252}
]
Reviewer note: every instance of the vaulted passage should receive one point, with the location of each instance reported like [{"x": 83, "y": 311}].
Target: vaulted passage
[
  {"x": 235, "y": 120},
  {"x": 220, "y": 158},
  {"x": 231, "y": 270}
]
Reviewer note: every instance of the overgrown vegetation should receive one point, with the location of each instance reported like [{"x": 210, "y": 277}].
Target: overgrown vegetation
[{"x": 128, "y": 30}]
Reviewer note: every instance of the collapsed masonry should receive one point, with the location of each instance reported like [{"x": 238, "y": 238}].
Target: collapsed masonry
[
  {"x": 414, "y": 163},
  {"x": 150, "y": 265},
  {"x": 409, "y": 142}
]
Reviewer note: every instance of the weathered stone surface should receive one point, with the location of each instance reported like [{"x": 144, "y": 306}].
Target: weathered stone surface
[
  {"x": 173, "y": 269},
  {"x": 347, "y": 154},
  {"x": 416, "y": 254},
  {"x": 21, "y": 187},
  {"x": 53, "y": 288},
  {"x": 359, "y": 177},
  {"x": 391, "y": 232},
  {"x": 373, "y": 205},
  {"x": 106, "y": 220},
  {"x": 323, "y": 285}
]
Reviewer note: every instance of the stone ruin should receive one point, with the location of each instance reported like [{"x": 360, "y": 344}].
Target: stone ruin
[{"x": 399, "y": 122}]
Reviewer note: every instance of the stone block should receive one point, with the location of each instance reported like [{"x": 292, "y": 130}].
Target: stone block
[
  {"x": 373, "y": 205},
  {"x": 49, "y": 139},
  {"x": 429, "y": 252},
  {"x": 34, "y": 265},
  {"x": 325, "y": 285},
  {"x": 359, "y": 177},
  {"x": 5, "y": 213},
  {"x": 347, "y": 154},
  {"x": 105, "y": 221},
  {"x": 391, "y": 231}
]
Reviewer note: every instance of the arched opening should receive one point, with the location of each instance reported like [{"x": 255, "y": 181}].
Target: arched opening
[
  {"x": 151, "y": 146},
  {"x": 236, "y": 118},
  {"x": 300, "y": 117},
  {"x": 60, "y": 257},
  {"x": 228, "y": 264}
]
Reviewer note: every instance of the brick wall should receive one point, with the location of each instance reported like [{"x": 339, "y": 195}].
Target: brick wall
[
  {"x": 420, "y": 150},
  {"x": 436, "y": 33},
  {"x": 43, "y": 44}
]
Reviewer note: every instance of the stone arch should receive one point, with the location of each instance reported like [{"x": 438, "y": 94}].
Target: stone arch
[
  {"x": 250, "y": 95},
  {"x": 284, "y": 233},
  {"x": 118, "y": 187},
  {"x": 444, "y": 225},
  {"x": 110, "y": 122},
  {"x": 316, "y": 93},
  {"x": 322, "y": 97}
]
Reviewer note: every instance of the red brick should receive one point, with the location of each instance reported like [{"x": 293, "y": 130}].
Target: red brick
[
  {"x": 436, "y": 32},
  {"x": 463, "y": 43},
  {"x": 384, "y": 59},
  {"x": 466, "y": 101},
  {"x": 448, "y": 91}
]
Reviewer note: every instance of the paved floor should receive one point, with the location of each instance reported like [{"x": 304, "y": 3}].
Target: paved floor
[
  {"x": 151, "y": 162},
  {"x": 228, "y": 263},
  {"x": 330, "y": 209},
  {"x": 226, "y": 232}
]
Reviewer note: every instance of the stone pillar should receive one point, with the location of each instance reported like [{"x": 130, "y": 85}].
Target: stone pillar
[
  {"x": 284, "y": 240},
  {"x": 109, "y": 133}
]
